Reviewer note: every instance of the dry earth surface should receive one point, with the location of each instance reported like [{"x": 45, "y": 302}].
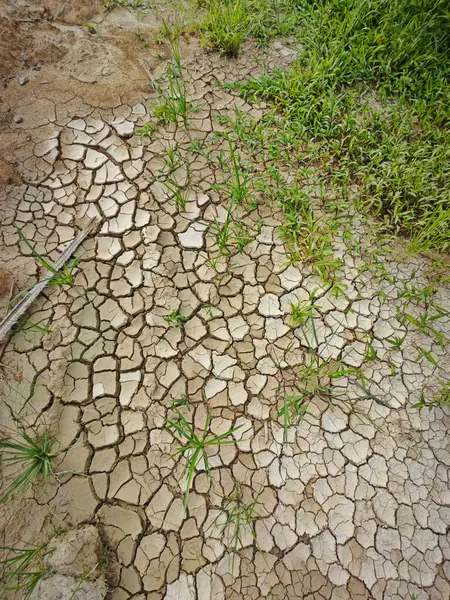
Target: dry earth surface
[{"x": 356, "y": 504}]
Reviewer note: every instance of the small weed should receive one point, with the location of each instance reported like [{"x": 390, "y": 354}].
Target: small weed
[
  {"x": 303, "y": 311},
  {"x": 172, "y": 159},
  {"x": 174, "y": 319},
  {"x": 424, "y": 323},
  {"x": 292, "y": 412},
  {"x": 238, "y": 185},
  {"x": 308, "y": 237},
  {"x": 240, "y": 518},
  {"x": 140, "y": 36},
  {"x": 64, "y": 276},
  {"x": 315, "y": 378},
  {"x": 371, "y": 352},
  {"x": 209, "y": 310},
  {"x": 183, "y": 401},
  {"x": 194, "y": 447},
  {"x": 442, "y": 398},
  {"x": 418, "y": 295},
  {"x": 90, "y": 28},
  {"x": 226, "y": 25},
  {"x": 36, "y": 327},
  {"x": 20, "y": 570},
  {"x": 231, "y": 234},
  {"x": 174, "y": 104},
  {"x": 179, "y": 194},
  {"x": 426, "y": 354},
  {"x": 147, "y": 129},
  {"x": 33, "y": 458},
  {"x": 195, "y": 145}
]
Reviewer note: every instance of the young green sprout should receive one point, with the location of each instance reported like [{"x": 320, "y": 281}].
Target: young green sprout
[
  {"x": 303, "y": 311},
  {"x": 174, "y": 319},
  {"x": 193, "y": 446},
  {"x": 237, "y": 519},
  {"x": 396, "y": 341},
  {"x": 21, "y": 571},
  {"x": 226, "y": 25}
]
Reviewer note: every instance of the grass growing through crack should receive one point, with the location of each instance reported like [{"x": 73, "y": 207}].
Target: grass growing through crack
[
  {"x": 226, "y": 25},
  {"x": 316, "y": 378},
  {"x": 308, "y": 237},
  {"x": 425, "y": 313},
  {"x": 237, "y": 521},
  {"x": 61, "y": 277},
  {"x": 179, "y": 193},
  {"x": 31, "y": 457},
  {"x": 441, "y": 398},
  {"x": 194, "y": 447},
  {"x": 20, "y": 570},
  {"x": 174, "y": 319},
  {"x": 174, "y": 104},
  {"x": 302, "y": 311}
]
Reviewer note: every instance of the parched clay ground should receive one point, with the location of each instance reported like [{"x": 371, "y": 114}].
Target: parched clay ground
[{"x": 354, "y": 506}]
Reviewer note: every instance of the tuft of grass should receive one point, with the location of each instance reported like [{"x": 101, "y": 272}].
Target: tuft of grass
[
  {"x": 174, "y": 319},
  {"x": 194, "y": 447},
  {"x": 303, "y": 311},
  {"x": 183, "y": 401},
  {"x": 33, "y": 458},
  {"x": 225, "y": 26},
  {"x": 239, "y": 518},
  {"x": 20, "y": 570},
  {"x": 317, "y": 378},
  {"x": 64, "y": 276},
  {"x": 227, "y": 23},
  {"x": 174, "y": 104},
  {"x": 396, "y": 341},
  {"x": 441, "y": 398},
  {"x": 308, "y": 237},
  {"x": 424, "y": 323},
  {"x": 147, "y": 129}
]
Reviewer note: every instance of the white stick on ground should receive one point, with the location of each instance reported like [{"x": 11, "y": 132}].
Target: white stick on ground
[{"x": 21, "y": 307}]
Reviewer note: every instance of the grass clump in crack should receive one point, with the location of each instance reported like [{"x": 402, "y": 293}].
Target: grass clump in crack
[
  {"x": 21, "y": 570},
  {"x": 194, "y": 447},
  {"x": 174, "y": 105},
  {"x": 226, "y": 24},
  {"x": 56, "y": 277},
  {"x": 175, "y": 319},
  {"x": 308, "y": 237},
  {"x": 28, "y": 458}
]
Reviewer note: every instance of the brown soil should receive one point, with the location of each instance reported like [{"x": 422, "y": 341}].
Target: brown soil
[{"x": 48, "y": 58}]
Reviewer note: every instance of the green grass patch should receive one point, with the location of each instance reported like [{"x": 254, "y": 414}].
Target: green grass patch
[
  {"x": 368, "y": 98},
  {"x": 226, "y": 24}
]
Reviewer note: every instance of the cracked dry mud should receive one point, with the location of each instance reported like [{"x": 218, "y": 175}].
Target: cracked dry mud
[{"x": 354, "y": 506}]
